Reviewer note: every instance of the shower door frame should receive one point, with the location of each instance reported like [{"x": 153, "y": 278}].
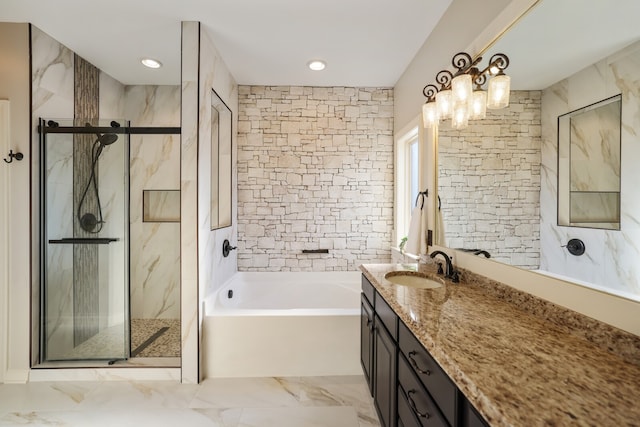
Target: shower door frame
[
  {"x": 45, "y": 129},
  {"x": 126, "y": 130}
]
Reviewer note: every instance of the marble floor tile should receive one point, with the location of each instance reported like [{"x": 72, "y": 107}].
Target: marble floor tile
[
  {"x": 334, "y": 416},
  {"x": 333, "y": 391},
  {"x": 44, "y": 396},
  {"x": 140, "y": 395},
  {"x": 242, "y": 393},
  {"x": 219, "y": 402},
  {"x": 125, "y": 418}
]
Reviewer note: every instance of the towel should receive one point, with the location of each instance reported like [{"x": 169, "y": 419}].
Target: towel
[
  {"x": 415, "y": 231},
  {"x": 440, "y": 236}
]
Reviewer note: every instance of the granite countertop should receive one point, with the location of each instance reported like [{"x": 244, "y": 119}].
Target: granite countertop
[{"x": 516, "y": 368}]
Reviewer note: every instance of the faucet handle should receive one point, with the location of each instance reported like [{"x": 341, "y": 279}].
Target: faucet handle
[
  {"x": 440, "y": 270},
  {"x": 455, "y": 276}
]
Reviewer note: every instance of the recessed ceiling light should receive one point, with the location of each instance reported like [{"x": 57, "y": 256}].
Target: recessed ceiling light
[
  {"x": 151, "y": 63},
  {"x": 317, "y": 65}
]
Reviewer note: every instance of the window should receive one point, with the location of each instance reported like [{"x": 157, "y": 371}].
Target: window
[{"x": 407, "y": 180}]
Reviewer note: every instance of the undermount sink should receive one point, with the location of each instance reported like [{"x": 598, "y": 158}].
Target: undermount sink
[{"x": 412, "y": 279}]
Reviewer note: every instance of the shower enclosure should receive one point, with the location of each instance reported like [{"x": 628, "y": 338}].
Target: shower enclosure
[{"x": 84, "y": 202}]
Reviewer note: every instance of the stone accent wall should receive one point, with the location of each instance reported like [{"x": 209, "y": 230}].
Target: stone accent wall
[
  {"x": 489, "y": 182},
  {"x": 315, "y": 171}
]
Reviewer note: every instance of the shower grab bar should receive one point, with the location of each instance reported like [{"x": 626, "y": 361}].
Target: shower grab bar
[
  {"x": 84, "y": 240},
  {"x": 315, "y": 251}
]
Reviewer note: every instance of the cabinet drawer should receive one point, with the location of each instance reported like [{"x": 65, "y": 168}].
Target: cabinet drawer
[
  {"x": 387, "y": 315},
  {"x": 412, "y": 393},
  {"x": 437, "y": 382},
  {"x": 367, "y": 289},
  {"x": 406, "y": 417}
]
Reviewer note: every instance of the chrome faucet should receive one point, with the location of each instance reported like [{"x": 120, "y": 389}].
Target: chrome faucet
[{"x": 449, "y": 272}]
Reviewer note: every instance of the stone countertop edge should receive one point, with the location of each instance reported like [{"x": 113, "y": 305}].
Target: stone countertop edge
[{"x": 515, "y": 366}]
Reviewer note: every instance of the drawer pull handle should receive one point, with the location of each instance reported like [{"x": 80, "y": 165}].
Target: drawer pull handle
[
  {"x": 415, "y": 365},
  {"x": 412, "y": 404}
]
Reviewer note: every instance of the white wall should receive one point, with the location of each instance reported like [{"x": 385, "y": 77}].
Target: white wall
[{"x": 14, "y": 206}]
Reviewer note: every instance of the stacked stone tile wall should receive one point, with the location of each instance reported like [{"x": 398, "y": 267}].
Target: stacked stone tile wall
[
  {"x": 315, "y": 171},
  {"x": 489, "y": 182}
]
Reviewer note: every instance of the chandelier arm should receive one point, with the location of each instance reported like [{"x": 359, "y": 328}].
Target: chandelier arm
[
  {"x": 444, "y": 77},
  {"x": 480, "y": 79},
  {"x": 500, "y": 61},
  {"x": 430, "y": 92}
]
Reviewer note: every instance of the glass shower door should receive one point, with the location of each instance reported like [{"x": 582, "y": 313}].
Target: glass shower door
[{"x": 84, "y": 241}]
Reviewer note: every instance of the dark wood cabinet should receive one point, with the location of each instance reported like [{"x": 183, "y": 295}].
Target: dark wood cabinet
[
  {"x": 443, "y": 391},
  {"x": 469, "y": 417},
  {"x": 413, "y": 393},
  {"x": 384, "y": 374},
  {"x": 366, "y": 340},
  {"x": 408, "y": 386}
]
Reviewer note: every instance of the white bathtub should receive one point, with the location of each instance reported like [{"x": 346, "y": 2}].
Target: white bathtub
[{"x": 283, "y": 324}]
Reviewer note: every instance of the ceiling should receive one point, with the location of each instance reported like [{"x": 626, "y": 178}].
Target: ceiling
[
  {"x": 560, "y": 37},
  {"x": 364, "y": 42}
]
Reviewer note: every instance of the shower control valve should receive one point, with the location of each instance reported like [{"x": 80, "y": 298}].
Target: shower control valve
[{"x": 226, "y": 248}]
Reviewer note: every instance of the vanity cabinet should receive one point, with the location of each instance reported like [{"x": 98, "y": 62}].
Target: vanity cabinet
[
  {"x": 366, "y": 339},
  {"x": 385, "y": 362},
  {"x": 379, "y": 352},
  {"x": 408, "y": 386},
  {"x": 412, "y": 395},
  {"x": 429, "y": 373}
]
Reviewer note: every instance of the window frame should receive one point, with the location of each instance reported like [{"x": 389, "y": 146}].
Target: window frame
[{"x": 403, "y": 200}]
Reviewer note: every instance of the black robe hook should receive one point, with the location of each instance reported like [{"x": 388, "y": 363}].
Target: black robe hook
[{"x": 18, "y": 156}]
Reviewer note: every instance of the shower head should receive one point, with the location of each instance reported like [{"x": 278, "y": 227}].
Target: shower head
[{"x": 107, "y": 139}]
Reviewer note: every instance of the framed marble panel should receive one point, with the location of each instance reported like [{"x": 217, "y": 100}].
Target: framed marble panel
[
  {"x": 589, "y": 159},
  {"x": 221, "y": 162}
]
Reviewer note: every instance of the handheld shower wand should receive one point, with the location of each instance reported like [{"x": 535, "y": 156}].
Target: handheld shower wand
[{"x": 88, "y": 221}]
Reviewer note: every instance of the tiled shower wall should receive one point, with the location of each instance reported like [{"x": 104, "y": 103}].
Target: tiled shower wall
[
  {"x": 155, "y": 165},
  {"x": 315, "y": 171},
  {"x": 489, "y": 182}
]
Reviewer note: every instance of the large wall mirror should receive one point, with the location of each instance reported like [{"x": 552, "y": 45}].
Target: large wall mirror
[
  {"x": 498, "y": 179},
  {"x": 221, "y": 162}
]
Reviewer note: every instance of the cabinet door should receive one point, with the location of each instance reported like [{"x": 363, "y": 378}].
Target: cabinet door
[
  {"x": 366, "y": 340},
  {"x": 469, "y": 415},
  {"x": 384, "y": 374}
]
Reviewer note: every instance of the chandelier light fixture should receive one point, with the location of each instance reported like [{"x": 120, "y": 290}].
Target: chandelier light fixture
[{"x": 460, "y": 95}]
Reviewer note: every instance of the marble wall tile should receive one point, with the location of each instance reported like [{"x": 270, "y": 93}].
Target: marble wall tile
[
  {"x": 214, "y": 269},
  {"x": 155, "y": 165},
  {"x": 189, "y": 203},
  {"x": 610, "y": 260},
  {"x": 52, "y": 77},
  {"x": 52, "y": 97}
]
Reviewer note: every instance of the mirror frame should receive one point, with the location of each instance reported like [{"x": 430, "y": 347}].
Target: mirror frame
[{"x": 221, "y": 163}]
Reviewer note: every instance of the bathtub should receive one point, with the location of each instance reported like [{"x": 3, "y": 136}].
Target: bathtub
[{"x": 263, "y": 324}]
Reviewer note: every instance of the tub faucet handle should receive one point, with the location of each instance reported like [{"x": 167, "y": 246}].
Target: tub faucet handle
[{"x": 226, "y": 248}]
